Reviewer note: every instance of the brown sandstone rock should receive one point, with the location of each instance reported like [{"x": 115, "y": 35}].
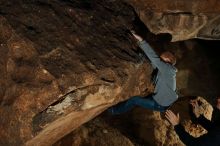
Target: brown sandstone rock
[
  {"x": 95, "y": 133},
  {"x": 182, "y": 19},
  {"x": 63, "y": 63}
]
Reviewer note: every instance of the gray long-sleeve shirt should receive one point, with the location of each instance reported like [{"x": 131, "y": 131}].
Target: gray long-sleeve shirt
[{"x": 165, "y": 86}]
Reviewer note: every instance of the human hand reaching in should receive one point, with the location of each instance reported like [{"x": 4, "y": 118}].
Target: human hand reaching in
[
  {"x": 172, "y": 118},
  {"x": 195, "y": 107},
  {"x": 137, "y": 37}
]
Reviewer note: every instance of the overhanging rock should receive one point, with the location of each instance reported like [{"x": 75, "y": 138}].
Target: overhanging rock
[
  {"x": 182, "y": 19},
  {"x": 62, "y": 64}
]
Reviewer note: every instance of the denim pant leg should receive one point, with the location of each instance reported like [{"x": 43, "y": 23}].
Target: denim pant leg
[
  {"x": 148, "y": 103},
  {"x": 124, "y": 106}
]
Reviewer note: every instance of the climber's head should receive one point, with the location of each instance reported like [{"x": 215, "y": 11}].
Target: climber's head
[{"x": 168, "y": 57}]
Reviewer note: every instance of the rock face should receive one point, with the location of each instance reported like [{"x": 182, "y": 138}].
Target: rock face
[
  {"x": 182, "y": 19},
  {"x": 63, "y": 63},
  {"x": 95, "y": 133}
]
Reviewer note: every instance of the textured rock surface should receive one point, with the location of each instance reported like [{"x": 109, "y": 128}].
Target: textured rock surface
[
  {"x": 62, "y": 64},
  {"x": 95, "y": 133},
  {"x": 182, "y": 19}
]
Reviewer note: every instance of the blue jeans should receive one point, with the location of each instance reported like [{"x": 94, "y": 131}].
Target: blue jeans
[{"x": 147, "y": 102}]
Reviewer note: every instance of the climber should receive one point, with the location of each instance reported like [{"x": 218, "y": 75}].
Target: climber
[
  {"x": 211, "y": 138},
  {"x": 165, "y": 82}
]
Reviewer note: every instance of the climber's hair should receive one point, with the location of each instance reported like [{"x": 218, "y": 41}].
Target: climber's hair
[{"x": 171, "y": 56}]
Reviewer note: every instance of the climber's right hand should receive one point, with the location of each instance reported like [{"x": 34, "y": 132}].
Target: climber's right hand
[{"x": 136, "y": 36}]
